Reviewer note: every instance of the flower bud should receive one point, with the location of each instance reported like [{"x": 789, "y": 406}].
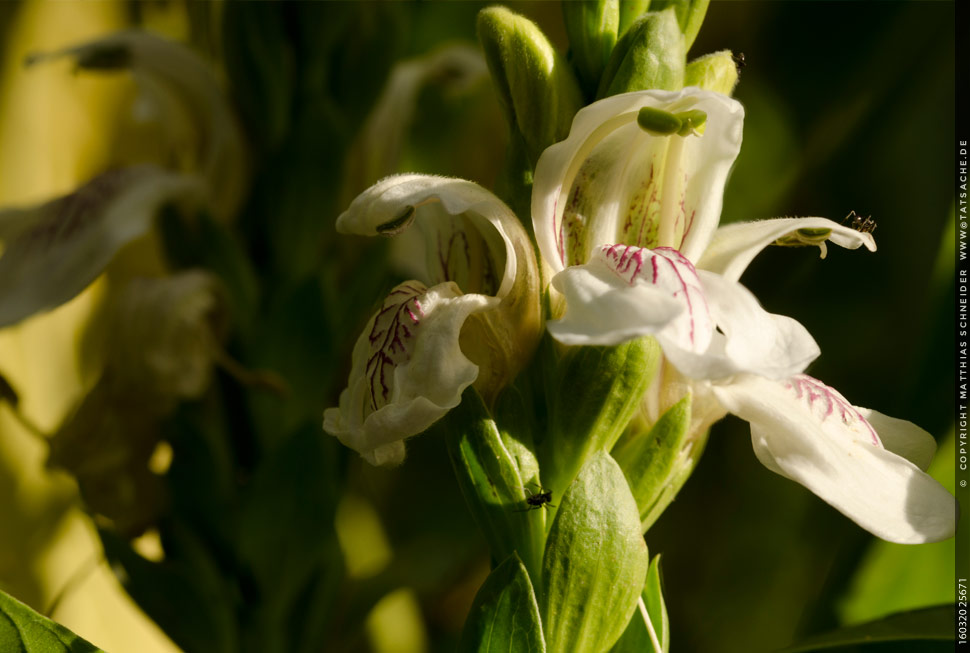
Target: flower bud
[
  {"x": 713, "y": 72},
  {"x": 690, "y": 15},
  {"x": 592, "y": 27},
  {"x": 651, "y": 55},
  {"x": 535, "y": 85}
]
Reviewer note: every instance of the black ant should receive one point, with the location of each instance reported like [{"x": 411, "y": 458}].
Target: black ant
[
  {"x": 537, "y": 500},
  {"x": 739, "y": 62},
  {"x": 864, "y": 225}
]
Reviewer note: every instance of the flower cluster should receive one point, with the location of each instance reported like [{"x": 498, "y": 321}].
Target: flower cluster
[{"x": 625, "y": 214}]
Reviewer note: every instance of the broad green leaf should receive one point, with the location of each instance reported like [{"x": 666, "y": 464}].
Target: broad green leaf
[
  {"x": 639, "y": 636},
  {"x": 595, "y": 561},
  {"x": 24, "y": 631},
  {"x": 926, "y": 630},
  {"x": 505, "y": 616},
  {"x": 594, "y": 394},
  {"x": 492, "y": 482}
]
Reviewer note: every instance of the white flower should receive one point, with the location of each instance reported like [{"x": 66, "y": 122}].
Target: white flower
[
  {"x": 626, "y": 219},
  {"x": 53, "y": 251},
  {"x": 471, "y": 316},
  {"x": 179, "y": 94}
]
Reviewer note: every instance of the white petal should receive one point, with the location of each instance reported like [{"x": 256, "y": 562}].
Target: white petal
[
  {"x": 749, "y": 339},
  {"x": 451, "y": 215},
  {"x": 608, "y": 157},
  {"x": 902, "y": 438},
  {"x": 179, "y": 91},
  {"x": 70, "y": 240},
  {"x": 456, "y": 231},
  {"x": 408, "y": 370},
  {"x": 734, "y": 246},
  {"x": 808, "y": 432},
  {"x": 627, "y": 292}
]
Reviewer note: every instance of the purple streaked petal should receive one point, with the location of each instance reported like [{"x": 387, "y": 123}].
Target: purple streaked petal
[
  {"x": 408, "y": 369},
  {"x": 808, "y": 432}
]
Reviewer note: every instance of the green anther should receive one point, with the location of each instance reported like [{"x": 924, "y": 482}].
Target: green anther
[
  {"x": 692, "y": 122},
  {"x": 812, "y": 237},
  {"x": 397, "y": 225},
  {"x": 658, "y": 122}
]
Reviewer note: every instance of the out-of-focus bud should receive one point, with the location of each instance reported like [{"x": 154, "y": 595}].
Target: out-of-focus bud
[
  {"x": 180, "y": 95},
  {"x": 713, "y": 72},
  {"x": 651, "y": 55},
  {"x": 690, "y": 15},
  {"x": 106, "y": 444},
  {"x": 536, "y": 86},
  {"x": 164, "y": 334},
  {"x": 592, "y": 27}
]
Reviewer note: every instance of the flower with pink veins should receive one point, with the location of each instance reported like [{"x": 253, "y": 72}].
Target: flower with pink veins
[{"x": 626, "y": 213}]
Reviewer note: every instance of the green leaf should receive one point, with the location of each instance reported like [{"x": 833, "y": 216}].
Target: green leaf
[
  {"x": 659, "y": 462},
  {"x": 504, "y": 617},
  {"x": 595, "y": 561},
  {"x": 651, "y": 55},
  {"x": 715, "y": 72},
  {"x": 594, "y": 394},
  {"x": 592, "y": 27},
  {"x": 929, "y": 629},
  {"x": 535, "y": 85},
  {"x": 493, "y": 482},
  {"x": 690, "y": 15},
  {"x": 184, "y": 594},
  {"x": 24, "y": 631},
  {"x": 637, "y": 637}
]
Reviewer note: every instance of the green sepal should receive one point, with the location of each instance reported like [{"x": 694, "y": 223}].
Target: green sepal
[
  {"x": 492, "y": 482},
  {"x": 650, "y": 55},
  {"x": 690, "y": 16},
  {"x": 595, "y": 561},
  {"x": 536, "y": 87},
  {"x": 713, "y": 72},
  {"x": 22, "y": 629},
  {"x": 593, "y": 394},
  {"x": 504, "y": 618},
  {"x": 657, "y": 463},
  {"x": 630, "y": 11},
  {"x": 637, "y": 638},
  {"x": 592, "y": 27}
]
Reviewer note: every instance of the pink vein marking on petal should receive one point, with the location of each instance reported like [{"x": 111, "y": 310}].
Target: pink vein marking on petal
[
  {"x": 389, "y": 337},
  {"x": 673, "y": 257},
  {"x": 812, "y": 391}
]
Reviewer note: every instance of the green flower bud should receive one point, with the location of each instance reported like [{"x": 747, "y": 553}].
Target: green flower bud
[
  {"x": 651, "y": 55},
  {"x": 592, "y": 27},
  {"x": 535, "y": 85},
  {"x": 657, "y": 462},
  {"x": 630, "y": 11},
  {"x": 690, "y": 15},
  {"x": 714, "y": 72},
  {"x": 595, "y": 393}
]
